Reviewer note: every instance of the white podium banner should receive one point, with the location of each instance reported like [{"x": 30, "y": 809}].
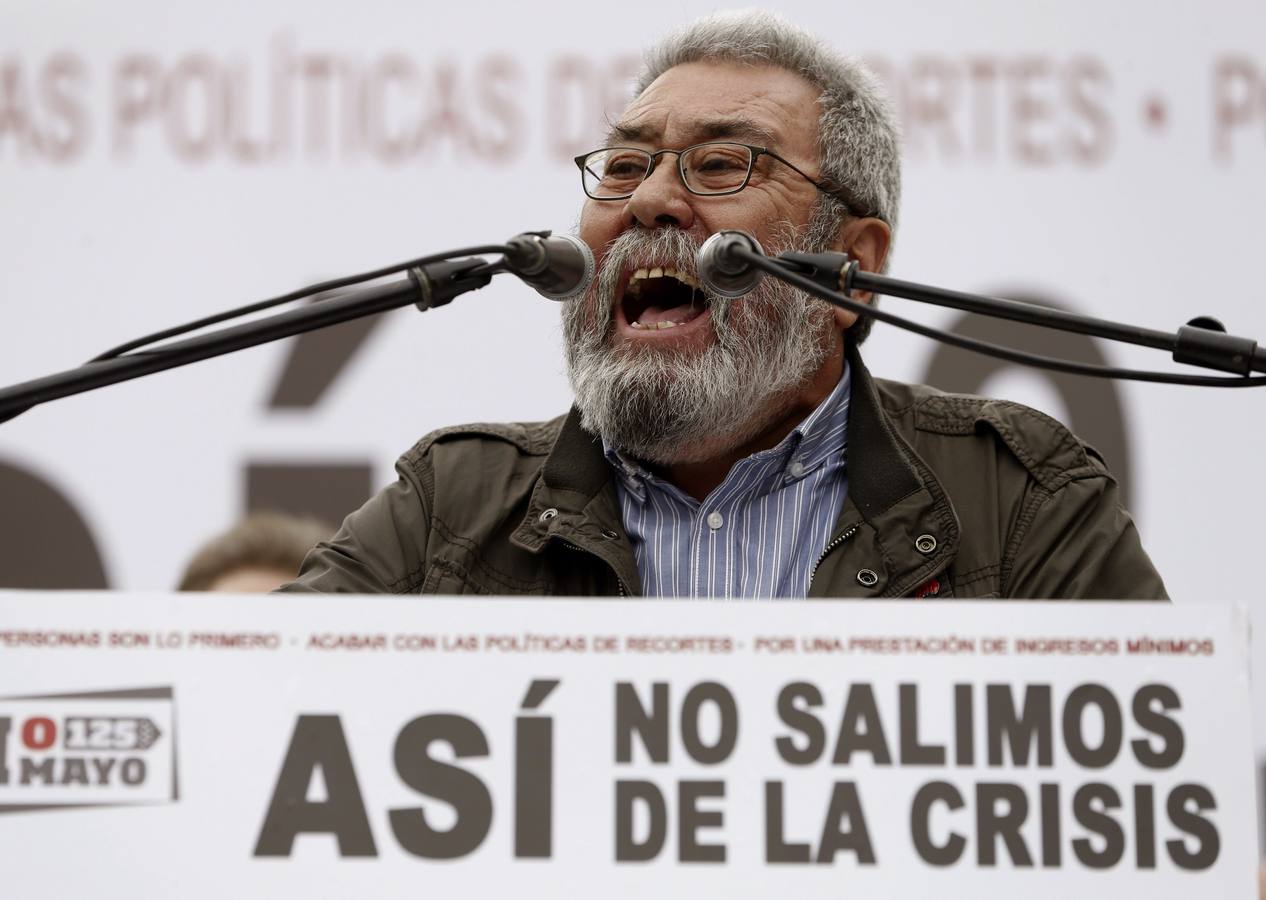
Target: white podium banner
[{"x": 220, "y": 746}]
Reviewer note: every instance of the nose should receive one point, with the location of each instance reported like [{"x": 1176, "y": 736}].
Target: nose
[{"x": 661, "y": 200}]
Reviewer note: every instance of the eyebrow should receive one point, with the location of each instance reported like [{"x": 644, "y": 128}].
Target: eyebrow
[{"x": 711, "y": 130}]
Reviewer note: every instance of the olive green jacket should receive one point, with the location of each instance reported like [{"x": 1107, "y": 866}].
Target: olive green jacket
[{"x": 948, "y": 496}]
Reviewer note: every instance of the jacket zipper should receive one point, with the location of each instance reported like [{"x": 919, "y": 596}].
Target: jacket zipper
[
  {"x": 618, "y": 580},
  {"x": 829, "y": 547}
]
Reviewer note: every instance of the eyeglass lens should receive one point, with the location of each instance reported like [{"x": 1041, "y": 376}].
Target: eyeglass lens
[{"x": 715, "y": 168}]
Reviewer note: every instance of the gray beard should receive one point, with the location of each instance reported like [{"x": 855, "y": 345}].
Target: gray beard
[{"x": 668, "y": 407}]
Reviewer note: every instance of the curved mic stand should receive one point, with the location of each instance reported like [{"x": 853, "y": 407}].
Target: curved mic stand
[
  {"x": 833, "y": 276},
  {"x": 426, "y": 285}
]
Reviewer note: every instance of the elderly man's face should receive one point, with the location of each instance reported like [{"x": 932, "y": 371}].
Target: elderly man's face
[
  {"x": 696, "y": 102},
  {"x": 667, "y": 373}
]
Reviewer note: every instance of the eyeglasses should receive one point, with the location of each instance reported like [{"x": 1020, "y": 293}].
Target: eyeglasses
[{"x": 712, "y": 169}]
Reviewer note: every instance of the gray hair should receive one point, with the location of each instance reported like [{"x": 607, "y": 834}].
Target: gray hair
[{"x": 858, "y": 138}]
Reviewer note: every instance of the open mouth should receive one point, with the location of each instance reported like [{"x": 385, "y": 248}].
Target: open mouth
[{"x": 661, "y": 298}]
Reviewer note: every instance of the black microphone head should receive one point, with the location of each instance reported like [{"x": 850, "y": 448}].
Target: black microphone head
[
  {"x": 558, "y": 266},
  {"x": 720, "y": 271}
]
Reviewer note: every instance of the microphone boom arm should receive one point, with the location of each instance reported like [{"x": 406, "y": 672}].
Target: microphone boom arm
[
  {"x": 426, "y": 286},
  {"x": 831, "y": 276}
]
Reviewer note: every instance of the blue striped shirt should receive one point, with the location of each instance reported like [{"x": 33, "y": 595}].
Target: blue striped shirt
[{"x": 761, "y": 530}]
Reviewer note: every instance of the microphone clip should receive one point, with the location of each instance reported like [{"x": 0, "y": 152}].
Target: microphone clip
[
  {"x": 439, "y": 282},
  {"x": 831, "y": 269}
]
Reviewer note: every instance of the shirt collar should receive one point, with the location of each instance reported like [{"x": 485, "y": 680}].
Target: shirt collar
[
  {"x": 825, "y": 431},
  {"x": 822, "y": 434}
]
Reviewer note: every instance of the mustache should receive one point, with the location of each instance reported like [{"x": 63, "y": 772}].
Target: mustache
[{"x": 639, "y": 246}]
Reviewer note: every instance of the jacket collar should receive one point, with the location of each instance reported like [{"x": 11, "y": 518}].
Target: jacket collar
[
  {"x": 882, "y": 474},
  {"x": 574, "y": 478},
  {"x": 574, "y": 502},
  {"x": 894, "y": 503},
  {"x": 890, "y": 488}
]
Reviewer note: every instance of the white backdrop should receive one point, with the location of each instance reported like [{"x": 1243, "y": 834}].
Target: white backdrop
[{"x": 162, "y": 161}]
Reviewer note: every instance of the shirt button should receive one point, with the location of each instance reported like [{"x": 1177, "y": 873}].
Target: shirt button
[
  {"x": 796, "y": 469},
  {"x": 715, "y": 520}
]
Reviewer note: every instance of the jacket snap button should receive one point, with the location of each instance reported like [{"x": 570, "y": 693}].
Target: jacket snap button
[
  {"x": 925, "y": 543},
  {"x": 867, "y": 578},
  {"x": 548, "y": 514},
  {"x": 610, "y": 534}
]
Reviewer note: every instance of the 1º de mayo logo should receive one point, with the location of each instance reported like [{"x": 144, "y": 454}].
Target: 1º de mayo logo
[{"x": 99, "y": 748}]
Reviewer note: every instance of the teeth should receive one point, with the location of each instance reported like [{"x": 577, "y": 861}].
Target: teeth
[
  {"x": 659, "y": 272},
  {"x": 656, "y": 326}
]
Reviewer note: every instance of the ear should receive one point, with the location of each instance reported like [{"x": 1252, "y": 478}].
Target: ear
[{"x": 867, "y": 241}]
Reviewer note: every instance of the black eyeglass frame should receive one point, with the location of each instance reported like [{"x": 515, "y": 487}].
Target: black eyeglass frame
[{"x": 754, "y": 153}]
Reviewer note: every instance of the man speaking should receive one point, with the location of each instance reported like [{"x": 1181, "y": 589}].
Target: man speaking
[{"x": 739, "y": 447}]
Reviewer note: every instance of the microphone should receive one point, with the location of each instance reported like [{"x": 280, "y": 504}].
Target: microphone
[
  {"x": 720, "y": 271},
  {"x": 559, "y": 266}
]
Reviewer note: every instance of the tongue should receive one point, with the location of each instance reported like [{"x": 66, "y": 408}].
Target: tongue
[{"x": 656, "y": 314}]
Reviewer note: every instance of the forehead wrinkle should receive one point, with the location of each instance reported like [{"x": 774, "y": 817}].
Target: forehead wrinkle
[{"x": 729, "y": 128}]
